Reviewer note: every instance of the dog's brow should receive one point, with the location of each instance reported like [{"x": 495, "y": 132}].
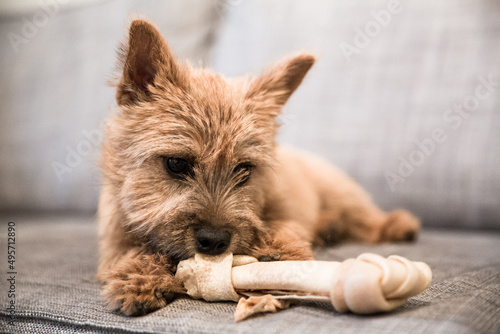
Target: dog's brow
[
  {"x": 251, "y": 142},
  {"x": 176, "y": 147}
]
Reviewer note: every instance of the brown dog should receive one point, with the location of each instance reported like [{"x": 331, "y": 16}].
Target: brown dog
[{"x": 190, "y": 165}]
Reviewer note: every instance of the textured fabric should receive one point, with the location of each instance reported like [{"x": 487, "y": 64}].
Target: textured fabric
[
  {"x": 57, "y": 291},
  {"x": 54, "y": 92},
  {"x": 375, "y": 110}
]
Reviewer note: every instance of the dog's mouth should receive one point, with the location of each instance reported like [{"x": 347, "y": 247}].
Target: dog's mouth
[
  {"x": 172, "y": 250},
  {"x": 195, "y": 239},
  {"x": 177, "y": 256}
]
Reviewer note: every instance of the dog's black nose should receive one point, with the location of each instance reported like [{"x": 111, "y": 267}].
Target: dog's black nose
[{"x": 212, "y": 241}]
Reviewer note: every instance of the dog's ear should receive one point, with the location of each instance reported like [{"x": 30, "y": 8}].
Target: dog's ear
[
  {"x": 147, "y": 62},
  {"x": 276, "y": 83}
]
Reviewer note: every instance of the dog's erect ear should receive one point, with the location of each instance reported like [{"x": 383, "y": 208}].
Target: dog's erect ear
[
  {"x": 277, "y": 82},
  {"x": 146, "y": 61}
]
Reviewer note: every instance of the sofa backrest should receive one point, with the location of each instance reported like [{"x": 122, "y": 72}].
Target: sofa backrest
[
  {"x": 55, "y": 64},
  {"x": 404, "y": 96}
]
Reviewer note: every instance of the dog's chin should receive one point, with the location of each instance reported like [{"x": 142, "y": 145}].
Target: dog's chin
[
  {"x": 184, "y": 254},
  {"x": 173, "y": 251},
  {"x": 178, "y": 256}
]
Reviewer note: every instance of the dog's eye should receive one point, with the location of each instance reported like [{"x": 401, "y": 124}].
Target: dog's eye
[
  {"x": 177, "y": 167},
  {"x": 243, "y": 171}
]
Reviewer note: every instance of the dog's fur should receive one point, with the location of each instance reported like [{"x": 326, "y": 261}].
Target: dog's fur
[{"x": 275, "y": 208}]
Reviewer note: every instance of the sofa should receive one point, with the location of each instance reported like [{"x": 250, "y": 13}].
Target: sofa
[{"x": 404, "y": 98}]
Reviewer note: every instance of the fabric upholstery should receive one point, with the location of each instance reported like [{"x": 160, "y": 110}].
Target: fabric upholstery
[{"x": 57, "y": 290}]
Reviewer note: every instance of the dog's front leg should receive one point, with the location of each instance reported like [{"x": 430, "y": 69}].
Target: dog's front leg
[
  {"x": 139, "y": 283},
  {"x": 285, "y": 241}
]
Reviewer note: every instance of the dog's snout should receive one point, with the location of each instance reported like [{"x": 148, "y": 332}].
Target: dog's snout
[{"x": 212, "y": 241}]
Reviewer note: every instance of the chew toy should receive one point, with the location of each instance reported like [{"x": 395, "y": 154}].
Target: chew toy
[{"x": 367, "y": 284}]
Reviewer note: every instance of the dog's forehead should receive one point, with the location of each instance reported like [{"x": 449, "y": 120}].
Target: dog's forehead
[
  {"x": 222, "y": 138},
  {"x": 204, "y": 131},
  {"x": 209, "y": 122}
]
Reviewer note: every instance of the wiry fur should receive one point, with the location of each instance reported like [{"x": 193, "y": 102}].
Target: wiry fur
[{"x": 147, "y": 218}]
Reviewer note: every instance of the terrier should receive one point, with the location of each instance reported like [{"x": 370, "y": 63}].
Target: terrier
[{"x": 190, "y": 165}]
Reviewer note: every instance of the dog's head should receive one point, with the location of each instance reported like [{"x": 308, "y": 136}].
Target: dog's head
[{"x": 189, "y": 152}]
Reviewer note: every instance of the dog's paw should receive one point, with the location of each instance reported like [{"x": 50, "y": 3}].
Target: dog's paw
[
  {"x": 400, "y": 226},
  {"x": 147, "y": 304},
  {"x": 284, "y": 254},
  {"x": 136, "y": 296},
  {"x": 270, "y": 257}
]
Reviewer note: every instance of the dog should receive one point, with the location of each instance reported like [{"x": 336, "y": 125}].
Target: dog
[{"x": 190, "y": 165}]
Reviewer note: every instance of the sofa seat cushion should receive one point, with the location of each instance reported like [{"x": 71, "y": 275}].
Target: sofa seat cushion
[{"x": 56, "y": 289}]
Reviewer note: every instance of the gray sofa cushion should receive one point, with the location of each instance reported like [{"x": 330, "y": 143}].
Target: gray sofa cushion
[
  {"x": 56, "y": 290},
  {"x": 374, "y": 111}
]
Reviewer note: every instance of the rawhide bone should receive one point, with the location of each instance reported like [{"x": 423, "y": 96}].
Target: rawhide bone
[{"x": 368, "y": 284}]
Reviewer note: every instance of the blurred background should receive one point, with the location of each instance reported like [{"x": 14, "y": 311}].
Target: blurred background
[{"x": 405, "y": 95}]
